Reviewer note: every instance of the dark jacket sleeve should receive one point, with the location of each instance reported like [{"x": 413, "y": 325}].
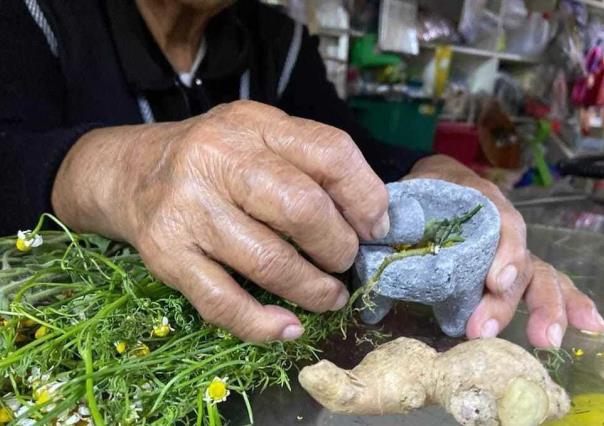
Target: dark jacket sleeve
[
  {"x": 310, "y": 95},
  {"x": 33, "y": 137}
]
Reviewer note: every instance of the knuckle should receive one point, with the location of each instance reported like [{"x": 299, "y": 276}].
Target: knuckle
[
  {"x": 519, "y": 223},
  {"x": 214, "y": 307},
  {"x": 303, "y": 206},
  {"x": 346, "y": 254},
  {"x": 242, "y": 323},
  {"x": 584, "y": 301},
  {"x": 527, "y": 272},
  {"x": 270, "y": 263},
  {"x": 234, "y": 107},
  {"x": 338, "y": 148},
  {"x": 521, "y": 257},
  {"x": 248, "y": 108},
  {"x": 545, "y": 271},
  {"x": 508, "y": 312},
  {"x": 240, "y": 107},
  {"x": 323, "y": 296}
]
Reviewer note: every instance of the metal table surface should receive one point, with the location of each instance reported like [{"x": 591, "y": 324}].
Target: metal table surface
[{"x": 578, "y": 253}]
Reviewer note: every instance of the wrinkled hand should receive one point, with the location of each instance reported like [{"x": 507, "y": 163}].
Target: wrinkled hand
[
  {"x": 222, "y": 189},
  {"x": 552, "y": 299}
]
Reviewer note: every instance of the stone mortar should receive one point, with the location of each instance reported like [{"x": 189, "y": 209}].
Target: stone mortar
[{"x": 452, "y": 281}]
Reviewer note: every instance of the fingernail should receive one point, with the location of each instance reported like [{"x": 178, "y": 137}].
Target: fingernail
[
  {"x": 489, "y": 329},
  {"x": 341, "y": 301},
  {"x": 292, "y": 332},
  {"x": 555, "y": 334},
  {"x": 381, "y": 228},
  {"x": 598, "y": 318},
  {"x": 507, "y": 278}
]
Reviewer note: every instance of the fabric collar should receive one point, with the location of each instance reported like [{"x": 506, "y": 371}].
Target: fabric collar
[{"x": 145, "y": 66}]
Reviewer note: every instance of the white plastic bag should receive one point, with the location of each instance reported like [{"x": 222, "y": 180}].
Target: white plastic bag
[
  {"x": 532, "y": 37},
  {"x": 478, "y": 22},
  {"x": 398, "y": 26}
]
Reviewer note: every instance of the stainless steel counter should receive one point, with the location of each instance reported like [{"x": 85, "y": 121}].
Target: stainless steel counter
[{"x": 578, "y": 253}]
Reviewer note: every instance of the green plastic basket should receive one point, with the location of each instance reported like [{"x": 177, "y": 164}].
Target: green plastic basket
[{"x": 409, "y": 122}]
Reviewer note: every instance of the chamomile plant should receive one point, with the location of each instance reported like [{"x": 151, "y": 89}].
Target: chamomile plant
[{"x": 88, "y": 336}]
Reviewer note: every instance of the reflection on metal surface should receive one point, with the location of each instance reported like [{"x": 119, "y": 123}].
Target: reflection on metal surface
[{"x": 550, "y": 200}]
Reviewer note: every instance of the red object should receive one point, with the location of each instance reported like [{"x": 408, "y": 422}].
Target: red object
[
  {"x": 457, "y": 140},
  {"x": 537, "y": 109}
]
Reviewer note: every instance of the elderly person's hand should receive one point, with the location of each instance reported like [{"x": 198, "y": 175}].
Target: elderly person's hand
[
  {"x": 552, "y": 299},
  {"x": 223, "y": 189}
]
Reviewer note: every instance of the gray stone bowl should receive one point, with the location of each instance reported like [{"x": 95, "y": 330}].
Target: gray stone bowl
[{"x": 451, "y": 281}]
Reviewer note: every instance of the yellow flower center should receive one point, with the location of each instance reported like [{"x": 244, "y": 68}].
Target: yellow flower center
[
  {"x": 42, "y": 396},
  {"x": 120, "y": 347},
  {"x": 217, "y": 390},
  {"x": 161, "y": 330},
  {"x": 141, "y": 350},
  {"x": 578, "y": 352},
  {"x": 41, "y": 332},
  {"x": 26, "y": 322},
  {"x": 6, "y": 415},
  {"x": 22, "y": 245}
]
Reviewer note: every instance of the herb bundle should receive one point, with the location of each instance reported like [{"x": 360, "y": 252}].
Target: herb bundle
[{"x": 88, "y": 336}]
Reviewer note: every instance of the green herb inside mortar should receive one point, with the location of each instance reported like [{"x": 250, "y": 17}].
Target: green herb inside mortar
[{"x": 438, "y": 234}]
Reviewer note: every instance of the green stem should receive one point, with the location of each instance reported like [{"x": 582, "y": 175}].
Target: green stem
[
  {"x": 200, "y": 410},
  {"x": 375, "y": 278},
  {"x": 33, "y": 348},
  {"x": 90, "y": 398},
  {"x": 246, "y": 400},
  {"x": 191, "y": 369}
]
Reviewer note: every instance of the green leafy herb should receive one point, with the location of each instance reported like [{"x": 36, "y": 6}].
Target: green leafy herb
[
  {"x": 438, "y": 234},
  {"x": 86, "y": 331}
]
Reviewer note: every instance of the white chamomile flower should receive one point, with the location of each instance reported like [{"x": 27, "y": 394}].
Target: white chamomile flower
[
  {"x": 217, "y": 391},
  {"x": 147, "y": 386},
  {"x": 83, "y": 410},
  {"x": 26, "y": 240},
  {"x": 135, "y": 408},
  {"x": 11, "y": 402},
  {"x": 22, "y": 411},
  {"x": 72, "y": 419}
]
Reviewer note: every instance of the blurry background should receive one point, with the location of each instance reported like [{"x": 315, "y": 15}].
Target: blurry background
[{"x": 512, "y": 88}]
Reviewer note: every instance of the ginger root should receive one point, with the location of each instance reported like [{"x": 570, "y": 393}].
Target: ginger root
[{"x": 480, "y": 382}]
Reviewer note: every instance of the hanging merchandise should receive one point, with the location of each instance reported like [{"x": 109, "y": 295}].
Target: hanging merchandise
[
  {"x": 589, "y": 90},
  {"x": 364, "y": 16},
  {"x": 398, "y": 26},
  {"x": 532, "y": 36},
  {"x": 478, "y": 23},
  {"x": 457, "y": 102},
  {"x": 566, "y": 50},
  {"x": 433, "y": 28},
  {"x": 515, "y": 14},
  {"x": 509, "y": 94},
  {"x": 541, "y": 5},
  {"x": 498, "y": 137},
  {"x": 559, "y": 98},
  {"x": 330, "y": 14}
]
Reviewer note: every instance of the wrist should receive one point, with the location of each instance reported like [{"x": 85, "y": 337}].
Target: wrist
[{"x": 97, "y": 180}]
